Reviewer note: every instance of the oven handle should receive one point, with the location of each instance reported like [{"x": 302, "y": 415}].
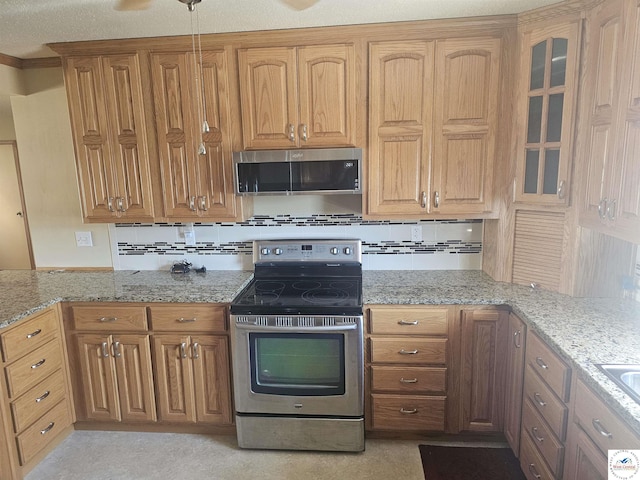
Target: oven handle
[{"x": 262, "y": 328}]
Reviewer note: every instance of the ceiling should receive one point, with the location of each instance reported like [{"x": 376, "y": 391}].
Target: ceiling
[{"x": 27, "y": 25}]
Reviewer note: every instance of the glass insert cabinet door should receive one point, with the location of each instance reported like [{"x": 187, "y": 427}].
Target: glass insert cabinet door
[{"x": 547, "y": 86}]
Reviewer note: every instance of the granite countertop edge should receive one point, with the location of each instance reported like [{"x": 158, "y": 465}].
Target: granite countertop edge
[{"x": 567, "y": 324}]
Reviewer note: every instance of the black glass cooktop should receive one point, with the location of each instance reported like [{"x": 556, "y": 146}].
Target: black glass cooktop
[{"x": 321, "y": 296}]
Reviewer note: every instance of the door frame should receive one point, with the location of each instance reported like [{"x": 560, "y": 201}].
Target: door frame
[{"x": 23, "y": 206}]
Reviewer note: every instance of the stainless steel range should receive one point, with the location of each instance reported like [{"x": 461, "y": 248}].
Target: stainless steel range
[{"x": 297, "y": 347}]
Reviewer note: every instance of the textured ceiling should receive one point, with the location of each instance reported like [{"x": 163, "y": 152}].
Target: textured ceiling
[{"x": 27, "y": 25}]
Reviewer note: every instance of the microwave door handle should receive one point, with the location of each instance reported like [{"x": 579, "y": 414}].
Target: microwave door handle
[{"x": 261, "y": 328}]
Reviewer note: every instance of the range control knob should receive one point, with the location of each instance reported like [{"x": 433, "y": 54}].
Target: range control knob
[
  {"x": 264, "y": 251},
  {"x": 334, "y": 250},
  {"x": 277, "y": 251},
  {"x": 347, "y": 250}
]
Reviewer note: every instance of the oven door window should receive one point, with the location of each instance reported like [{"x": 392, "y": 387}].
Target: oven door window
[{"x": 297, "y": 363}]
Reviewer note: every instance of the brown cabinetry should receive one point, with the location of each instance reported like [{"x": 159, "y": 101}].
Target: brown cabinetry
[
  {"x": 196, "y": 166},
  {"x": 111, "y": 137},
  {"x": 516, "y": 341},
  {"x": 483, "y": 349},
  {"x": 35, "y": 395},
  {"x": 192, "y": 369},
  {"x": 407, "y": 360},
  {"x": 544, "y": 410},
  {"x": 432, "y": 122},
  {"x": 298, "y": 96},
  {"x": 114, "y": 370},
  {"x": 611, "y": 131}
]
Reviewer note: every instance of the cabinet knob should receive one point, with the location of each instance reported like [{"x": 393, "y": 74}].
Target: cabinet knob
[
  {"x": 110, "y": 204},
  {"x": 303, "y": 132},
  {"x": 436, "y": 199},
  {"x": 561, "y": 190},
  {"x": 120, "y": 204},
  {"x": 611, "y": 209},
  {"x": 602, "y": 208},
  {"x": 203, "y": 203},
  {"x": 292, "y": 133},
  {"x": 423, "y": 199}
]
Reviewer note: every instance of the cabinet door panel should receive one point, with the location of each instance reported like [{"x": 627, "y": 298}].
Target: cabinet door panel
[
  {"x": 210, "y": 356},
  {"x": 327, "y": 89},
  {"x": 175, "y": 378},
  {"x": 135, "y": 378},
  {"x": 516, "y": 341},
  {"x": 466, "y": 106},
  {"x": 400, "y": 115},
  {"x": 268, "y": 92},
  {"x": 98, "y": 378}
]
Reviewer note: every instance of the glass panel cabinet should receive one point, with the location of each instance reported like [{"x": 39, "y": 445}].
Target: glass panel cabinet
[{"x": 548, "y": 78}]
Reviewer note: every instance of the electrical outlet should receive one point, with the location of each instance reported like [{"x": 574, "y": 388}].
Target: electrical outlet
[
  {"x": 83, "y": 239},
  {"x": 416, "y": 233},
  {"x": 189, "y": 234}
]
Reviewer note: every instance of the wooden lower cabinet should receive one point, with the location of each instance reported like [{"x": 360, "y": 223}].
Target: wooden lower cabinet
[{"x": 193, "y": 378}]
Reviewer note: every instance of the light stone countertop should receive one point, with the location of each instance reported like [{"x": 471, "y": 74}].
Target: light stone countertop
[{"x": 583, "y": 331}]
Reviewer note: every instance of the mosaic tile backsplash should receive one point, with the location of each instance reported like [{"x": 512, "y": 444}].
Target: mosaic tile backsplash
[{"x": 387, "y": 245}]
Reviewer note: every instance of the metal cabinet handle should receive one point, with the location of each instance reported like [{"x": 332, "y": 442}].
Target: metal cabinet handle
[
  {"x": 303, "y": 132},
  {"x": 43, "y": 396},
  {"x": 39, "y": 364},
  {"x": 105, "y": 351},
  {"x": 516, "y": 339},
  {"x": 541, "y": 363},
  {"x": 412, "y": 411},
  {"x": 407, "y": 352},
  {"x": 602, "y": 208},
  {"x": 561, "y": 190},
  {"x": 194, "y": 349},
  {"x": 48, "y": 429},
  {"x": 107, "y": 319},
  {"x": 120, "y": 204},
  {"x": 436, "y": 199},
  {"x": 192, "y": 203},
  {"x": 539, "y": 400},
  {"x": 408, "y": 380},
  {"x": 292, "y": 133},
  {"x": 116, "y": 350},
  {"x": 405, "y": 322},
  {"x": 203, "y": 203},
  {"x": 110, "y": 204},
  {"x": 33, "y": 334},
  {"x": 534, "y": 432},
  {"x": 611, "y": 209},
  {"x": 423, "y": 199},
  {"x": 534, "y": 472},
  {"x": 186, "y": 320},
  {"x": 601, "y": 430},
  {"x": 183, "y": 350}
]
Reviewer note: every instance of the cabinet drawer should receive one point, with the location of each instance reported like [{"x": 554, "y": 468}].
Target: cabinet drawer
[
  {"x": 549, "y": 366},
  {"x": 110, "y": 318},
  {"x": 550, "y": 408},
  {"x": 29, "y": 335},
  {"x": 408, "y": 412},
  {"x": 598, "y": 421},
  {"x": 531, "y": 461},
  {"x": 33, "y": 368},
  {"x": 35, "y": 402},
  {"x": 545, "y": 441},
  {"x": 408, "y": 321},
  {"x": 416, "y": 380},
  {"x": 41, "y": 433},
  {"x": 409, "y": 350},
  {"x": 192, "y": 317}
]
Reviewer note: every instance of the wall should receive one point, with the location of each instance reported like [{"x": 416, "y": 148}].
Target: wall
[
  {"x": 43, "y": 134},
  {"x": 637, "y": 275}
]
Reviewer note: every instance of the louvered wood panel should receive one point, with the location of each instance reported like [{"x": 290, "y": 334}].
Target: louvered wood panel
[{"x": 537, "y": 251}]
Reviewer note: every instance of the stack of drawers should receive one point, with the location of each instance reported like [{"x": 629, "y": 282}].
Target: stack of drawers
[
  {"x": 408, "y": 351},
  {"x": 544, "y": 412},
  {"x": 36, "y": 381}
]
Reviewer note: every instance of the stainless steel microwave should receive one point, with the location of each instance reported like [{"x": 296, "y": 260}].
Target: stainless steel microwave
[{"x": 290, "y": 172}]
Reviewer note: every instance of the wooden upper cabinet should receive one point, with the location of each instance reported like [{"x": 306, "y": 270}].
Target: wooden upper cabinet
[
  {"x": 195, "y": 184},
  {"x": 298, "y": 97},
  {"x": 110, "y": 136},
  {"x": 400, "y": 116},
  {"x": 467, "y": 84},
  {"x": 547, "y": 89},
  {"x": 611, "y": 143}
]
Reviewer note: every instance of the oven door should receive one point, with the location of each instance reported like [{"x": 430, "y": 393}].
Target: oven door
[{"x": 298, "y": 370}]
